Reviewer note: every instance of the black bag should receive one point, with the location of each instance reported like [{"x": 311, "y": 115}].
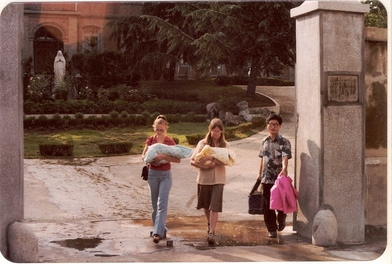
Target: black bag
[
  {"x": 255, "y": 200},
  {"x": 145, "y": 168},
  {"x": 145, "y": 173}
]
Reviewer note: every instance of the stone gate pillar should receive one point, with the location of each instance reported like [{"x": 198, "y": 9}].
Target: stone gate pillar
[
  {"x": 330, "y": 130},
  {"x": 17, "y": 242}
]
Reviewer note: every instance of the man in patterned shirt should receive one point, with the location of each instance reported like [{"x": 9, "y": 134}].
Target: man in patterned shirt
[{"x": 275, "y": 153}]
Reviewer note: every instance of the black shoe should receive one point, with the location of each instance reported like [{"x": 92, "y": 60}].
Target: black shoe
[
  {"x": 273, "y": 234},
  {"x": 282, "y": 226}
]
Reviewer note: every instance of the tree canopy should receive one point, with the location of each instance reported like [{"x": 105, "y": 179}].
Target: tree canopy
[
  {"x": 377, "y": 16},
  {"x": 258, "y": 35}
]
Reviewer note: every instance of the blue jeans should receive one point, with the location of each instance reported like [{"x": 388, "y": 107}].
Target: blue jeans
[{"x": 160, "y": 184}]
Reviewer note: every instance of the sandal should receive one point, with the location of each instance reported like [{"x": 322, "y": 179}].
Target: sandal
[
  {"x": 156, "y": 239},
  {"x": 211, "y": 239}
]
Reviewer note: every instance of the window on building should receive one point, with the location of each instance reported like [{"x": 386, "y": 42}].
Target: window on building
[{"x": 91, "y": 39}]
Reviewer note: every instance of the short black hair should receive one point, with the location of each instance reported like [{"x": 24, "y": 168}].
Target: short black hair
[{"x": 274, "y": 116}]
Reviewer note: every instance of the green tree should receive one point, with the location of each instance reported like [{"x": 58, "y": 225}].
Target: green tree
[
  {"x": 377, "y": 16},
  {"x": 144, "y": 55},
  {"x": 231, "y": 33}
]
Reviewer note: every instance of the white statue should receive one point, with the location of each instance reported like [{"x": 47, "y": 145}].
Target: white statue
[{"x": 59, "y": 68}]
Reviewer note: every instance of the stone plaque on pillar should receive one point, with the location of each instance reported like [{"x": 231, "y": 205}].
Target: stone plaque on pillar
[{"x": 342, "y": 88}]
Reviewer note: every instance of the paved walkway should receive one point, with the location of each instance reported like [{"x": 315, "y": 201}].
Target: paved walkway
[{"x": 98, "y": 210}]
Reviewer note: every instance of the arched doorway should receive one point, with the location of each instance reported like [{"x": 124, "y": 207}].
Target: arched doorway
[{"x": 47, "y": 41}]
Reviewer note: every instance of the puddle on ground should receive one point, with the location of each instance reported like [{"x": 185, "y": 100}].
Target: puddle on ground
[
  {"x": 80, "y": 243},
  {"x": 193, "y": 232}
]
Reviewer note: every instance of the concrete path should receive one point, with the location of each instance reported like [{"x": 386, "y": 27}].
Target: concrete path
[{"x": 98, "y": 210}]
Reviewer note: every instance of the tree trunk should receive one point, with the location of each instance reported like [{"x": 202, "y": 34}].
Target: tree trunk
[
  {"x": 254, "y": 72},
  {"x": 170, "y": 72}
]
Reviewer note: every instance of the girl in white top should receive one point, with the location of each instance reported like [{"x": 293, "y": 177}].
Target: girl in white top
[{"x": 211, "y": 177}]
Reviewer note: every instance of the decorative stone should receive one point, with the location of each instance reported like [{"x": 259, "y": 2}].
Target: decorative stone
[
  {"x": 212, "y": 110},
  {"x": 325, "y": 229},
  {"x": 23, "y": 243},
  {"x": 243, "y": 108}
]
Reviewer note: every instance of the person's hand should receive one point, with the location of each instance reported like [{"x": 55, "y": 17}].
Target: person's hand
[
  {"x": 206, "y": 160},
  {"x": 157, "y": 159}
]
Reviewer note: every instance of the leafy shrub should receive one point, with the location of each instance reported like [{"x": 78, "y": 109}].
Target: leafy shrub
[
  {"x": 244, "y": 127},
  {"x": 61, "y": 106},
  {"x": 243, "y": 80},
  {"x": 62, "y": 90},
  {"x": 274, "y": 82},
  {"x": 114, "y": 114},
  {"x": 39, "y": 88},
  {"x": 115, "y": 148},
  {"x": 189, "y": 117},
  {"x": 124, "y": 114},
  {"x": 29, "y": 122},
  {"x": 41, "y": 121},
  {"x": 239, "y": 80},
  {"x": 229, "y": 105},
  {"x": 258, "y": 123},
  {"x": 193, "y": 139},
  {"x": 56, "y": 149},
  {"x": 79, "y": 115},
  {"x": 106, "y": 69},
  {"x": 223, "y": 80},
  {"x": 230, "y": 132}
]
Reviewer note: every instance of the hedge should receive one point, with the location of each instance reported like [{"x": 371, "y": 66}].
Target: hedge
[
  {"x": 105, "y": 106},
  {"x": 94, "y": 122},
  {"x": 56, "y": 149},
  {"x": 115, "y": 147},
  {"x": 243, "y": 80}
]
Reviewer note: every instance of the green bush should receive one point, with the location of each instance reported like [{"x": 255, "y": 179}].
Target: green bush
[
  {"x": 124, "y": 114},
  {"x": 115, "y": 147},
  {"x": 230, "y": 132},
  {"x": 223, "y": 80},
  {"x": 243, "y": 80},
  {"x": 56, "y": 149},
  {"x": 114, "y": 114},
  {"x": 29, "y": 122},
  {"x": 258, "y": 123},
  {"x": 244, "y": 127},
  {"x": 239, "y": 80},
  {"x": 79, "y": 115},
  {"x": 193, "y": 139},
  {"x": 229, "y": 105},
  {"x": 39, "y": 88},
  {"x": 113, "y": 120}
]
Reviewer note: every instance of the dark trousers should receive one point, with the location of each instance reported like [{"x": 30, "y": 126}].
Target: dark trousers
[{"x": 270, "y": 215}]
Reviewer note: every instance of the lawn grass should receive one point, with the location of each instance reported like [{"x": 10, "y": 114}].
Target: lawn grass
[{"x": 86, "y": 140}]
